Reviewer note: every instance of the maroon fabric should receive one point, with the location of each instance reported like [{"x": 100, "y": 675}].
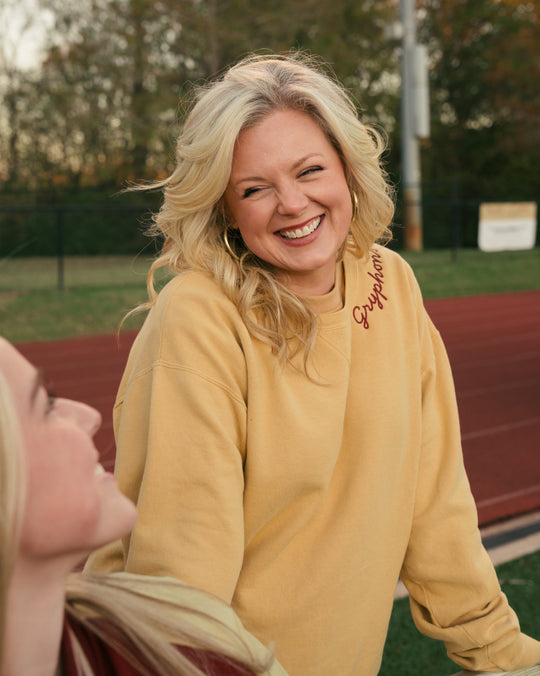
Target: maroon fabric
[{"x": 105, "y": 661}]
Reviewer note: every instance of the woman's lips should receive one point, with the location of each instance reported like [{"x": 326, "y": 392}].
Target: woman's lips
[{"x": 304, "y": 231}]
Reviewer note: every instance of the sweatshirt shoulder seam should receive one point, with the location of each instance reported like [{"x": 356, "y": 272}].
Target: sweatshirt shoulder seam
[{"x": 186, "y": 369}]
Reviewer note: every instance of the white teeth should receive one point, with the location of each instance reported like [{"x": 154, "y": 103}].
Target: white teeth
[
  {"x": 99, "y": 470},
  {"x": 302, "y": 232}
]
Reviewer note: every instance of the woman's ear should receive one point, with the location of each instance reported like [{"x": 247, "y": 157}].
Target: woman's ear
[{"x": 228, "y": 218}]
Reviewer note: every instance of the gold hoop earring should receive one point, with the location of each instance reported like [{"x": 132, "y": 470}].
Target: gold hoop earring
[
  {"x": 232, "y": 253},
  {"x": 354, "y": 198}
]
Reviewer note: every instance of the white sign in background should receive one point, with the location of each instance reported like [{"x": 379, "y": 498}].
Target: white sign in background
[{"x": 507, "y": 226}]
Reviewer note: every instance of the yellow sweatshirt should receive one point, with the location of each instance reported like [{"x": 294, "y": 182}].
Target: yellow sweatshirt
[{"x": 301, "y": 502}]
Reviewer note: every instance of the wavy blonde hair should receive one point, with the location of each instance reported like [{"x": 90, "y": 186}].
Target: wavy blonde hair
[
  {"x": 193, "y": 219},
  {"x": 122, "y": 610}
]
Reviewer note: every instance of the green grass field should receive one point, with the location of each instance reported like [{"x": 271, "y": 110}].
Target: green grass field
[
  {"x": 408, "y": 653},
  {"x": 98, "y": 291}
]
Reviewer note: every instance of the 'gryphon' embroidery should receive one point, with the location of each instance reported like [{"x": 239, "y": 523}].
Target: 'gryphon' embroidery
[{"x": 376, "y": 297}]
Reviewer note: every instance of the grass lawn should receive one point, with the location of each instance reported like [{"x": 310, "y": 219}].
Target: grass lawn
[
  {"x": 409, "y": 653},
  {"x": 98, "y": 291},
  {"x": 475, "y": 272}
]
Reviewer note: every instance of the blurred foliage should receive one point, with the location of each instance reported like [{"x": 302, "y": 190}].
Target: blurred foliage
[
  {"x": 485, "y": 100},
  {"x": 104, "y": 105}
]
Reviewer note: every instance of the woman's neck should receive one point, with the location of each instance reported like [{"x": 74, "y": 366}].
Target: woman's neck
[{"x": 35, "y": 616}]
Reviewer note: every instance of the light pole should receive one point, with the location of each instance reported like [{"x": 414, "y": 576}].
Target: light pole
[{"x": 414, "y": 124}]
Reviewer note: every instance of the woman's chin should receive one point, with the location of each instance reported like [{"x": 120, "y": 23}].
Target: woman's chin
[{"x": 118, "y": 516}]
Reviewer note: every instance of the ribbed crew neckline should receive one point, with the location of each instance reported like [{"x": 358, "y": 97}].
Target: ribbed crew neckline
[{"x": 332, "y": 301}]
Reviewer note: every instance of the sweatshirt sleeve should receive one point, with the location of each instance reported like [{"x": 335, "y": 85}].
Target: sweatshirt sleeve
[
  {"x": 180, "y": 424},
  {"x": 454, "y": 592}
]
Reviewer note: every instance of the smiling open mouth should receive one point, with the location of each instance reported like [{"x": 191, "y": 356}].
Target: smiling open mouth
[{"x": 302, "y": 232}]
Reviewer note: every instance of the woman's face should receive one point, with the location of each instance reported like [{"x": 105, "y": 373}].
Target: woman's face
[
  {"x": 288, "y": 196},
  {"x": 72, "y": 505}
]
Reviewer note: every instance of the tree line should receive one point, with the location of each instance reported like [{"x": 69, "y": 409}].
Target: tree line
[{"x": 103, "y": 104}]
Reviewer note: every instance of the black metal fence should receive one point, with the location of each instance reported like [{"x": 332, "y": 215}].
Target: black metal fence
[
  {"x": 71, "y": 229},
  {"x": 103, "y": 229}
]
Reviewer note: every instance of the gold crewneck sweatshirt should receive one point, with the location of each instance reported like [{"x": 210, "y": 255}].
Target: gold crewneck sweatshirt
[{"x": 301, "y": 503}]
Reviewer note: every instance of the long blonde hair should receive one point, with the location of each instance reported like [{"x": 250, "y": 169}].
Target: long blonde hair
[
  {"x": 120, "y": 609},
  {"x": 193, "y": 218},
  {"x": 127, "y": 613},
  {"x": 12, "y": 497}
]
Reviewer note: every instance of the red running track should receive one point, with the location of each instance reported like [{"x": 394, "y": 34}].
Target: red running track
[{"x": 494, "y": 347}]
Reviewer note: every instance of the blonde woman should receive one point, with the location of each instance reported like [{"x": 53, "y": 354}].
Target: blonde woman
[
  {"x": 56, "y": 505},
  {"x": 322, "y": 457}
]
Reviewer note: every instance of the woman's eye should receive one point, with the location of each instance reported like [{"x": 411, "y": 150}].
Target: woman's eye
[
  {"x": 51, "y": 401},
  {"x": 310, "y": 170},
  {"x": 249, "y": 191}
]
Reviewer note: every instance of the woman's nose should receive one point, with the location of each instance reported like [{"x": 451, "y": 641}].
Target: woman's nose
[
  {"x": 87, "y": 417},
  {"x": 291, "y": 199}
]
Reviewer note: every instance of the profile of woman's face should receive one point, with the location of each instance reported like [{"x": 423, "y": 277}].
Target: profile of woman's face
[
  {"x": 72, "y": 505},
  {"x": 288, "y": 196}
]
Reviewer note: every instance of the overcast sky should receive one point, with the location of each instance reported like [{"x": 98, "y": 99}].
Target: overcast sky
[{"x": 22, "y": 25}]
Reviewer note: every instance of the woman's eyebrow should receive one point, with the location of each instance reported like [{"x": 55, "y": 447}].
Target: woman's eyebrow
[
  {"x": 306, "y": 158},
  {"x": 295, "y": 165},
  {"x": 38, "y": 382}
]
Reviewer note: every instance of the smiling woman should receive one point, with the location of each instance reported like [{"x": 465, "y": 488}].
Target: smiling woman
[
  {"x": 289, "y": 198},
  {"x": 57, "y": 504},
  {"x": 321, "y": 460},
  {"x": 71, "y": 506}
]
